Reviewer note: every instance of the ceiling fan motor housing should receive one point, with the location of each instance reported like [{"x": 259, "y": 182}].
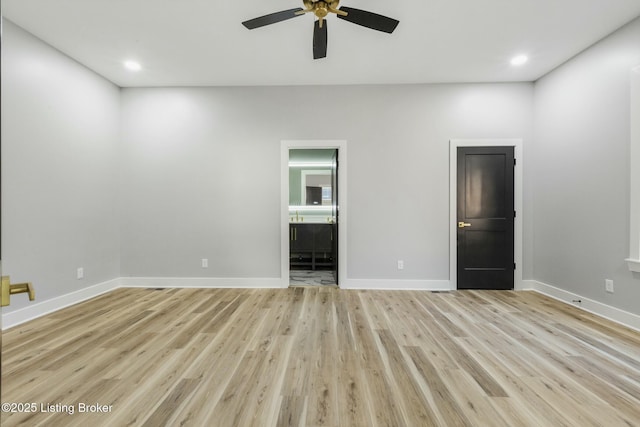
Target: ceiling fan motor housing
[{"x": 322, "y": 8}]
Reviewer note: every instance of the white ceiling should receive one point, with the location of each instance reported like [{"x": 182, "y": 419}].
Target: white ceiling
[{"x": 202, "y": 42}]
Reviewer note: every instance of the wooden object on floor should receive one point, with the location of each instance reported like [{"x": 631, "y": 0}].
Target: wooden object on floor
[{"x": 322, "y": 356}]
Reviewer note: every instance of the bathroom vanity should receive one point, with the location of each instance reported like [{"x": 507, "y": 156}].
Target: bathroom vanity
[{"x": 311, "y": 246}]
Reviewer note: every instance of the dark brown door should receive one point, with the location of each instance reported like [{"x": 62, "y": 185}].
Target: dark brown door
[{"x": 485, "y": 217}]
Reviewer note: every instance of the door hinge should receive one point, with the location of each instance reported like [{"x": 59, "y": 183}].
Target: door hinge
[
  {"x": 514, "y": 214},
  {"x": 514, "y": 265},
  {"x": 514, "y": 162}
]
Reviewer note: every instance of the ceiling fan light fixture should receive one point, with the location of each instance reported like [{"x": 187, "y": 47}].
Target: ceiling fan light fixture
[{"x": 516, "y": 61}]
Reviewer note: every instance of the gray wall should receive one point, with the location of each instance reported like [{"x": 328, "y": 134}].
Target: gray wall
[
  {"x": 201, "y": 172},
  {"x": 579, "y": 168},
  {"x": 60, "y": 133},
  {"x": 198, "y": 172},
  {"x": 146, "y": 182}
]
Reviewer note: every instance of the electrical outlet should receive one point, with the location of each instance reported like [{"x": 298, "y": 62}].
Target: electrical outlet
[
  {"x": 400, "y": 264},
  {"x": 80, "y": 273},
  {"x": 205, "y": 263},
  {"x": 608, "y": 285}
]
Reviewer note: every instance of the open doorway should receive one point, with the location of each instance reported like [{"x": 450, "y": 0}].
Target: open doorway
[
  {"x": 324, "y": 209},
  {"x": 313, "y": 216}
]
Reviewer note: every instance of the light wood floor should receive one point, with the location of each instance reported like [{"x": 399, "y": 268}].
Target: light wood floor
[{"x": 323, "y": 356}]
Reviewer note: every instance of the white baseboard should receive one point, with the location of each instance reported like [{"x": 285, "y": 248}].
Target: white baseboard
[
  {"x": 603, "y": 310},
  {"x": 36, "y": 310},
  {"x": 397, "y": 284},
  {"x": 202, "y": 282},
  {"x": 39, "y": 309}
]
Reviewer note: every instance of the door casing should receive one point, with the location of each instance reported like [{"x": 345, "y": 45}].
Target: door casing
[{"x": 518, "y": 202}]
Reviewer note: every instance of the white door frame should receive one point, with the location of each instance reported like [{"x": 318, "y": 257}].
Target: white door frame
[
  {"x": 634, "y": 179},
  {"x": 453, "y": 211},
  {"x": 285, "y": 146}
]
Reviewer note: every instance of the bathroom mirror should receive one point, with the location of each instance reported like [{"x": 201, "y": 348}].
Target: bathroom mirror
[
  {"x": 310, "y": 177},
  {"x": 315, "y": 187}
]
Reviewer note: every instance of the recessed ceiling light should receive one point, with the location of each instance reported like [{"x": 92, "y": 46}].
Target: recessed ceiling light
[
  {"x": 519, "y": 60},
  {"x": 132, "y": 65}
]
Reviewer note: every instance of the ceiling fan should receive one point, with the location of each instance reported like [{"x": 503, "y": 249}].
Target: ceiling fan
[{"x": 321, "y": 8}]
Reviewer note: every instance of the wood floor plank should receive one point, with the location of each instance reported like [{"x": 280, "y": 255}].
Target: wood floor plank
[
  {"x": 322, "y": 356},
  {"x": 464, "y": 361},
  {"x": 416, "y": 407},
  {"x": 516, "y": 386},
  {"x": 292, "y": 312},
  {"x": 353, "y": 407},
  {"x": 260, "y": 407},
  {"x": 560, "y": 400},
  {"x": 473, "y": 402},
  {"x": 292, "y": 411},
  {"x": 322, "y": 399},
  {"x": 445, "y": 405},
  {"x": 178, "y": 396},
  {"x": 384, "y": 406}
]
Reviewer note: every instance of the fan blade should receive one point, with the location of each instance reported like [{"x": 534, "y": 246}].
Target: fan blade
[
  {"x": 320, "y": 40},
  {"x": 369, "y": 19},
  {"x": 271, "y": 18}
]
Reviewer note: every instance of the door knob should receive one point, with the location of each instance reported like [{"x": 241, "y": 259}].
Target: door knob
[
  {"x": 462, "y": 224},
  {"x": 18, "y": 288}
]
